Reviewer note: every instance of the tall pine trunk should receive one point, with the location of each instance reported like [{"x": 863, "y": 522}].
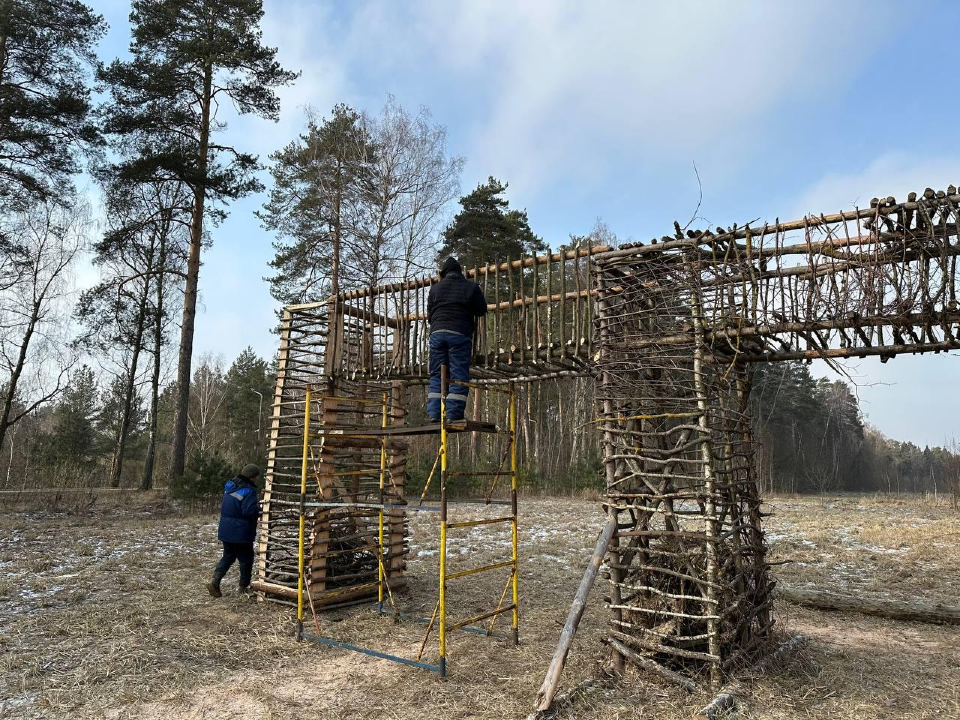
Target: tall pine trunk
[
  {"x": 185, "y": 360},
  {"x": 130, "y": 389},
  {"x": 3, "y": 52},
  {"x": 146, "y": 482}
]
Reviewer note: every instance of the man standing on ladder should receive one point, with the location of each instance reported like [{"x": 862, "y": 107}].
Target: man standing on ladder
[{"x": 453, "y": 306}]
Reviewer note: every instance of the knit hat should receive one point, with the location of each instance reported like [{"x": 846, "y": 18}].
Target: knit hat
[
  {"x": 450, "y": 265},
  {"x": 250, "y": 471}
]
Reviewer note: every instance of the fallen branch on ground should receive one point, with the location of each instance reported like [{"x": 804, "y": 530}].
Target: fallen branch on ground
[{"x": 916, "y": 611}]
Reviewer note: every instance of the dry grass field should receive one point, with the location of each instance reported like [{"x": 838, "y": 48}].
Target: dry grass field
[{"x": 103, "y": 615}]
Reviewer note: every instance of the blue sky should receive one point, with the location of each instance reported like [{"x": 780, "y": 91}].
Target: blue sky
[{"x": 599, "y": 110}]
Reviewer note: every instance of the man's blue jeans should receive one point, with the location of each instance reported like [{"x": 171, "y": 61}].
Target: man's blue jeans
[{"x": 454, "y": 351}]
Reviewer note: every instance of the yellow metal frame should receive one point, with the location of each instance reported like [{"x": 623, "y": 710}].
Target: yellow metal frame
[
  {"x": 303, "y": 499},
  {"x": 382, "y": 584},
  {"x": 513, "y": 563},
  {"x": 443, "y": 522}
]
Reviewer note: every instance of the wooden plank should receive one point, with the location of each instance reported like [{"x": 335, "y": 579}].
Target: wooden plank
[{"x": 361, "y": 432}]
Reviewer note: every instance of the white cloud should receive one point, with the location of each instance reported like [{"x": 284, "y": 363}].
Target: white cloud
[
  {"x": 546, "y": 88},
  {"x": 890, "y": 174},
  {"x": 556, "y": 85}
]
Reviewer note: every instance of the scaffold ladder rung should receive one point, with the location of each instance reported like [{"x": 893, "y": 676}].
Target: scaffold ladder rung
[
  {"x": 474, "y": 571},
  {"x": 482, "y": 616},
  {"x": 474, "y": 523}
]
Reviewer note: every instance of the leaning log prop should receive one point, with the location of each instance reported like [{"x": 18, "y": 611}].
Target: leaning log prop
[
  {"x": 552, "y": 679},
  {"x": 915, "y": 611}
]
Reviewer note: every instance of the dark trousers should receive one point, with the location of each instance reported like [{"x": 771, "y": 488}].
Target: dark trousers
[
  {"x": 240, "y": 552},
  {"x": 454, "y": 351}
]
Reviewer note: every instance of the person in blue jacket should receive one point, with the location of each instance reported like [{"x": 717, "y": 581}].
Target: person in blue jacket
[
  {"x": 238, "y": 528},
  {"x": 453, "y": 306}
]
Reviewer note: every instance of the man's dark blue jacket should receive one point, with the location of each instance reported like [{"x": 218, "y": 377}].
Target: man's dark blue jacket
[
  {"x": 454, "y": 302},
  {"x": 239, "y": 511}
]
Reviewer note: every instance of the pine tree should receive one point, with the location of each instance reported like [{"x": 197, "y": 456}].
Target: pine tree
[
  {"x": 73, "y": 442},
  {"x": 356, "y": 201},
  {"x": 121, "y": 422},
  {"x": 486, "y": 231},
  {"x": 190, "y": 57},
  {"x": 143, "y": 221},
  {"x": 46, "y": 47},
  {"x": 249, "y": 396},
  {"x": 318, "y": 184}
]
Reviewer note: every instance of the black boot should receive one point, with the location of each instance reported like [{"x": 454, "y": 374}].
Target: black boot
[{"x": 213, "y": 587}]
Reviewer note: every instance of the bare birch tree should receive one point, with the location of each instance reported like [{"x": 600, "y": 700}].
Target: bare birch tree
[
  {"x": 208, "y": 395},
  {"x": 410, "y": 185},
  {"x": 41, "y": 245}
]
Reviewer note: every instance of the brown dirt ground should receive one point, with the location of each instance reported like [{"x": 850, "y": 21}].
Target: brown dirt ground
[{"x": 103, "y": 615}]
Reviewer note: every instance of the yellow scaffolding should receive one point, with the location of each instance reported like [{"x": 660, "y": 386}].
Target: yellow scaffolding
[{"x": 440, "y": 614}]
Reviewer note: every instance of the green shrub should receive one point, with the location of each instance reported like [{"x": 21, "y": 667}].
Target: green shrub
[{"x": 203, "y": 478}]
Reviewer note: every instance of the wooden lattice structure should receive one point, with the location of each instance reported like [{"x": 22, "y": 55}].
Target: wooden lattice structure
[
  {"x": 375, "y": 340},
  {"x": 669, "y": 330}
]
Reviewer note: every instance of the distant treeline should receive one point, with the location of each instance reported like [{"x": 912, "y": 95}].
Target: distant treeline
[
  {"x": 812, "y": 438},
  {"x": 809, "y": 433},
  {"x": 74, "y": 442}
]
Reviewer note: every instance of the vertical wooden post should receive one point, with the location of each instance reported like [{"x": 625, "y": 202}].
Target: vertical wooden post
[
  {"x": 711, "y": 603},
  {"x": 535, "y": 339},
  {"x": 264, "y": 523},
  {"x": 497, "y": 316},
  {"x": 397, "y": 485},
  {"x": 327, "y": 479},
  {"x": 549, "y": 332},
  {"x": 578, "y": 304},
  {"x": 588, "y": 306},
  {"x": 524, "y": 315},
  {"x": 761, "y": 578},
  {"x": 610, "y": 469},
  {"x": 381, "y": 555},
  {"x": 301, "y": 576},
  {"x": 563, "y": 303}
]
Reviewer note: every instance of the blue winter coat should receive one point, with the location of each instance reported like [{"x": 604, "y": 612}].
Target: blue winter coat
[
  {"x": 239, "y": 511},
  {"x": 454, "y": 303}
]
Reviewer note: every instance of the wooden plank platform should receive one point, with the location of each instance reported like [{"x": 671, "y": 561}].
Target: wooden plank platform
[{"x": 431, "y": 429}]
